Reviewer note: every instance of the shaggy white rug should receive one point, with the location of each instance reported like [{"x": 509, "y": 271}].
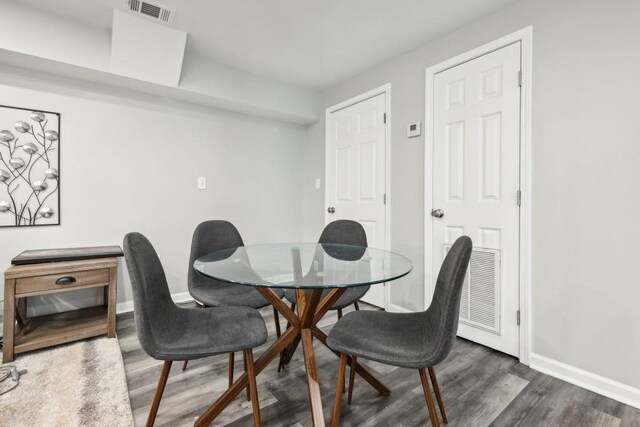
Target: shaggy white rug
[{"x": 79, "y": 384}]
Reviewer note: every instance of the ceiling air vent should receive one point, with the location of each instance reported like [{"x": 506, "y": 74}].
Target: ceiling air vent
[{"x": 152, "y": 10}]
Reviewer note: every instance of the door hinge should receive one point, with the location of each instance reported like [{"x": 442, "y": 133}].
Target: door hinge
[
  {"x": 520, "y": 78},
  {"x": 519, "y": 198},
  {"x": 384, "y": 199},
  {"x": 384, "y": 118},
  {"x": 518, "y": 317}
]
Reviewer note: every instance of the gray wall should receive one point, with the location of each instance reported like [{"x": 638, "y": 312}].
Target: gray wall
[
  {"x": 586, "y": 148},
  {"x": 131, "y": 163}
]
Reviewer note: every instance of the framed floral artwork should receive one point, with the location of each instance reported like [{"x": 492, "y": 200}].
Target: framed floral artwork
[{"x": 29, "y": 167}]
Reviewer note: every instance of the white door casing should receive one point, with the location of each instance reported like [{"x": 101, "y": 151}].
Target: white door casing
[
  {"x": 356, "y": 173},
  {"x": 476, "y": 180}
]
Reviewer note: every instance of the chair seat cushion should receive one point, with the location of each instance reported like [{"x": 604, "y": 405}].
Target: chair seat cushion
[
  {"x": 223, "y": 295},
  {"x": 349, "y": 296},
  {"x": 398, "y": 339},
  {"x": 200, "y": 332}
]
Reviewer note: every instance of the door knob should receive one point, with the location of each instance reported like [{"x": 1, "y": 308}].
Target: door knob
[
  {"x": 437, "y": 213},
  {"x": 331, "y": 209}
]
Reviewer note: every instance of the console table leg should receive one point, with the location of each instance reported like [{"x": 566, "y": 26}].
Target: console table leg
[
  {"x": 9, "y": 319},
  {"x": 21, "y": 311},
  {"x": 111, "y": 307}
]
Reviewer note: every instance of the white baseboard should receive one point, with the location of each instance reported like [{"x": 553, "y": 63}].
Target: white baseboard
[
  {"x": 588, "y": 380},
  {"x": 393, "y": 308},
  {"x": 127, "y": 306},
  {"x": 124, "y": 307}
]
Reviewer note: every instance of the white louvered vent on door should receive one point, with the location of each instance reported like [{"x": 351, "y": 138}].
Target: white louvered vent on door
[{"x": 480, "y": 304}]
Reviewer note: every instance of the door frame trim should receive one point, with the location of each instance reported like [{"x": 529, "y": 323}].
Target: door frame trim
[
  {"x": 384, "y": 89},
  {"x": 525, "y": 37}
]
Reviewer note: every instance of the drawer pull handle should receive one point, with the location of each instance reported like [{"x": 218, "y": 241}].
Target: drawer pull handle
[{"x": 66, "y": 280}]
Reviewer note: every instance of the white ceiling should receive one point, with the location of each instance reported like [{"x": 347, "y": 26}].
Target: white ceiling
[{"x": 311, "y": 43}]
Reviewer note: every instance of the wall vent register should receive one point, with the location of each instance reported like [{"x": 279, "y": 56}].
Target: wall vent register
[
  {"x": 480, "y": 303},
  {"x": 152, "y": 10}
]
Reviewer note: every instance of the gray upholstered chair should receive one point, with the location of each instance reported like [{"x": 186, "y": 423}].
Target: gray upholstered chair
[
  {"x": 168, "y": 332},
  {"x": 409, "y": 340},
  {"x": 340, "y": 232},
  {"x": 211, "y": 236}
]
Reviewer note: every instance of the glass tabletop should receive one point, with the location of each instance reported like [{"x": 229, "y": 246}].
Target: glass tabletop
[{"x": 303, "y": 265}]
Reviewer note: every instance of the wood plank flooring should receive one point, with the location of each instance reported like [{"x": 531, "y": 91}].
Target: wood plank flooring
[{"x": 480, "y": 387}]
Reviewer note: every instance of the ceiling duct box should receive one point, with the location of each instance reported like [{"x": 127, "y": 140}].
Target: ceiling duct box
[{"x": 145, "y": 50}]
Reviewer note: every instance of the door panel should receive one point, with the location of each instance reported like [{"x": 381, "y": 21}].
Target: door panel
[
  {"x": 355, "y": 181},
  {"x": 367, "y": 171},
  {"x": 455, "y": 161},
  {"x": 476, "y": 178},
  {"x": 343, "y": 174}
]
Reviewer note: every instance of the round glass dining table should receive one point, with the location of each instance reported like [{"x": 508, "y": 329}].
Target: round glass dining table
[{"x": 320, "y": 273}]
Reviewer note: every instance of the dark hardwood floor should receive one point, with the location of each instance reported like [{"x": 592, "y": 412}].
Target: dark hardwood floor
[{"x": 480, "y": 387}]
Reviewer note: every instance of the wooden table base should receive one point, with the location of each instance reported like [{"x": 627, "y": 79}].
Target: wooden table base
[{"x": 303, "y": 327}]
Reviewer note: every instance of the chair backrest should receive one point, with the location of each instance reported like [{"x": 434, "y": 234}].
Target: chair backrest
[
  {"x": 153, "y": 308},
  {"x": 444, "y": 311},
  {"x": 344, "y": 232},
  {"x": 211, "y": 236}
]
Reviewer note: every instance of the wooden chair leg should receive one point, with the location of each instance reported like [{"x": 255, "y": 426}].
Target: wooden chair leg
[
  {"x": 252, "y": 387},
  {"x": 427, "y": 394},
  {"x": 231, "y": 365},
  {"x": 184, "y": 365},
  {"x": 244, "y": 357},
  {"x": 335, "y": 418},
  {"x": 356, "y": 305},
  {"x": 352, "y": 378},
  {"x": 281, "y": 364},
  {"x": 339, "y": 313},
  {"x": 276, "y": 319},
  {"x": 162, "y": 382},
  {"x": 436, "y": 388}
]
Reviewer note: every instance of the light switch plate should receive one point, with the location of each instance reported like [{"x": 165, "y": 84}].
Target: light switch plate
[
  {"x": 317, "y": 183},
  {"x": 202, "y": 183}
]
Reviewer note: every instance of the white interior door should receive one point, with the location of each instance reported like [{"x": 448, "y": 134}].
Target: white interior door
[
  {"x": 355, "y": 181},
  {"x": 476, "y": 158}
]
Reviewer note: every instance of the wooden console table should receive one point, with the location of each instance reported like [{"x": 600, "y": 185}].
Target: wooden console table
[{"x": 23, "y": 334}]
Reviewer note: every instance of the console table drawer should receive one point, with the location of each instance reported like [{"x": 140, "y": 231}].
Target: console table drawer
[{"x": 59, "y": 282}]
